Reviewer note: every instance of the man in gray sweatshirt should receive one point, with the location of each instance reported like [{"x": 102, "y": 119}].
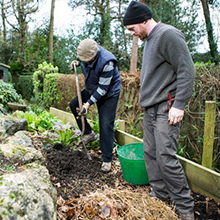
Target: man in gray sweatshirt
[{"x": 167, "y": 78}]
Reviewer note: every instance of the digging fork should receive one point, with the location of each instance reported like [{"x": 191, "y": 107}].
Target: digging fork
[{"x": 80, "y": 107}]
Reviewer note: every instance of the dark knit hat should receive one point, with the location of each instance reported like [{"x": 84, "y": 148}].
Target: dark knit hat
[{"x": 136, "y": 12}]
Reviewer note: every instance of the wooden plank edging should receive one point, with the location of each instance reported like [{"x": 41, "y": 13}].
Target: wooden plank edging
[
  {"x": 64, "y": 116},
  {"x": 201, "y": 179}
]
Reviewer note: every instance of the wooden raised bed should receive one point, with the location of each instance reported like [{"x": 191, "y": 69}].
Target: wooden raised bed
[{"x": 201, "y": 179}]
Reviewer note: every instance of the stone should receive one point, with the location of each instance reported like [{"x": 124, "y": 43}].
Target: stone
[
  {"x": 28, "y": 195},
  {"x": 10, "y": 125},
  {"x": 21, "y": 154}
]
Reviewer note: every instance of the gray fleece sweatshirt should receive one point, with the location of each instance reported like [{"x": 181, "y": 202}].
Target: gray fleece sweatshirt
[{"x": 167, "y": 68}]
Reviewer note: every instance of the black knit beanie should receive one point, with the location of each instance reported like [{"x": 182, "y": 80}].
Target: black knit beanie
[{"x": 136, "y": 12}]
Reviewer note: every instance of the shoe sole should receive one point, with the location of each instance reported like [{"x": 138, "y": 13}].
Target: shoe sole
[
  {"x": 105, "y": 171},
  {"x": 88, "y": 141},
  {"x": 91, "y": 140}
]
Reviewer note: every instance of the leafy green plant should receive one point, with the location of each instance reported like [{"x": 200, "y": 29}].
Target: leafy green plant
[
  {"x": 47, "y": 68},
  {"x": 66, "y": 133},
  {"x": 95, "y": 124},
  {"x": 51, "y": 95},
  {"x": 36, "y": 108},
  {"x": 39, "y": 120},
  {"x": 8, "y": 94},
  {"x": 38, "y": 78},
  {"x": 42, "y": 122}
]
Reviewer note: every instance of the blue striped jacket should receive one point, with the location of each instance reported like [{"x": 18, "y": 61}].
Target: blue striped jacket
[{"x": 102, "y": 78}]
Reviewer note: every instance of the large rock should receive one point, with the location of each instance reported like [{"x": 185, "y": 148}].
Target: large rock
[
  {"x": 28, "y": 195},
  {"x": 10, "y": 125},
  {"x": 20, "y": 149},
  {"x": 21, "y": 138}
]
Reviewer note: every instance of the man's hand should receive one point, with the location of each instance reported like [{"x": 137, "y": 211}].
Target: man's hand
[
  {"x": 84, "y": 110},
  {"x": 76, "y": 62},
  {"x": 175, "y": 115}
]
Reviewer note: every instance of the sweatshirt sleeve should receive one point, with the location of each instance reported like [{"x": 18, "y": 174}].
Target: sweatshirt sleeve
[
  {"x": 176, "y": 52},
  {"x": 104, "y": 83}
]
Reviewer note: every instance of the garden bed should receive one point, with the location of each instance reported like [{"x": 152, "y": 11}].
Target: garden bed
[
  {"x": 76, "y": 177},
  {"x": 77, "y": 180}
]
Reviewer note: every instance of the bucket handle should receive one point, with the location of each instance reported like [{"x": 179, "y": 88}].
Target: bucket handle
[{"x": 117, "y": 146}]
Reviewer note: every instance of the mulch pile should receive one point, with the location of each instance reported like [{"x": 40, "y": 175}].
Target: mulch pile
[{"x": 114, "y": 204}]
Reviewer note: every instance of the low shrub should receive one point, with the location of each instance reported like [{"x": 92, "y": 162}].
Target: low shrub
[
  {"x": 8, "y": 94},
  {"x": 25, "y": 85}
]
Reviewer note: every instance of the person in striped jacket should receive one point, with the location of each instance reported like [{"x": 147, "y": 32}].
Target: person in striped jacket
[{"x": 102, "y": 87}]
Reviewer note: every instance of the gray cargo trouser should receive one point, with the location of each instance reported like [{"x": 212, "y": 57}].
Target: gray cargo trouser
[{"x": 165, "y": 172}]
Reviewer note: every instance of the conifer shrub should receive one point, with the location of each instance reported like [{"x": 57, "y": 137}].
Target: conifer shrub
[{"x": 26, "y": 87}]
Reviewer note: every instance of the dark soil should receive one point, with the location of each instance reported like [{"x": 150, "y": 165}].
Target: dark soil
[{"x": 73, "y": 175}]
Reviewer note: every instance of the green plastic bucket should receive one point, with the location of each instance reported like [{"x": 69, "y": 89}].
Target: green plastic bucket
[{"x": 131, "y": 158}]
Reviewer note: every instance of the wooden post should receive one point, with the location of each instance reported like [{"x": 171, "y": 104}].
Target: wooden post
[
  {"x": 121, "y": 125},
  {"x": 208, "y": 134}
]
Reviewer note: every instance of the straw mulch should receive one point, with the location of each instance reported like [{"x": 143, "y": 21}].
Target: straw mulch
[{"x": 115, "y": 204}]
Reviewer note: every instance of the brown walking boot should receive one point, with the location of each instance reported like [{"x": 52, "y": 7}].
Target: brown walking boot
[{"x": 87, "y": 138}]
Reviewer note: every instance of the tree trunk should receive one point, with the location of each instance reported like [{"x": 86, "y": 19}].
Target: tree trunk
[
  {"x": 105, "y": 25},
  {"x": 21, "y": 18},
  {"x": 21, "y": 9},
  {"x": 3, "y": 20},
  {"x": 212, "y": 44},
  {"x": 51, "y": 32},
  {"x": 4, "y": 46},
  {"x": 134, "y": 54}
]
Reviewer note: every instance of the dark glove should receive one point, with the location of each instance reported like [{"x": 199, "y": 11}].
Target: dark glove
[{"x": 84, "y": 110}]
